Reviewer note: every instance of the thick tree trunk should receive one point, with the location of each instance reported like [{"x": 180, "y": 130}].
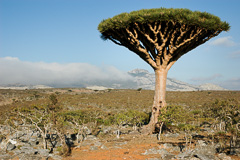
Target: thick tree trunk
[{"x": 159, "y": 99}]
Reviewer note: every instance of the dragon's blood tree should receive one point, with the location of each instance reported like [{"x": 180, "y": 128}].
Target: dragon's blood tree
[{"x": 160, "y": 37}]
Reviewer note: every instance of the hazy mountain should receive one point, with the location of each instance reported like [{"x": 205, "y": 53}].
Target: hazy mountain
[
  {"x": 146, "y": 80},
  {"x": 139, "y": 78},
  {"x": 22, "y": 87}
]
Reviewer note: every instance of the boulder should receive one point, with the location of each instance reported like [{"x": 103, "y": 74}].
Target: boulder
[
  {"x": 171, "y": 135},
  {"x": 43, "y": 152},
  {"x": 223, "y": 156},
  {"x": 10, "y": 146},
  {"x": 155, "y": 151},
  {"x": 185, "y": 155}
]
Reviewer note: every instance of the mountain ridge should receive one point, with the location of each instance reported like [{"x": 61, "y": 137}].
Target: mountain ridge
[
  {"x": 146, "y": 80},
  {"x": 140, "y": 78}
]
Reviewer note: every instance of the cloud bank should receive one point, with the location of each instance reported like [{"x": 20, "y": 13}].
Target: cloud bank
[
  {"x": 13, "y": 70},
  {"x": 223, "y": 41}
]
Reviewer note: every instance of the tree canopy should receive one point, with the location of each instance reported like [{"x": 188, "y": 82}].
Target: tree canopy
[
  {"x": 160, "y": 37},
  {"x": 186, "y": 16}
]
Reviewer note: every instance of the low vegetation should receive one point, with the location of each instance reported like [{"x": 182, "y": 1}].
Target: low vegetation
[{"x": 64, "y": 111}]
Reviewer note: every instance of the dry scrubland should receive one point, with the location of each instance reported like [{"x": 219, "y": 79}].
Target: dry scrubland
[{"x": 213, "y": 115}]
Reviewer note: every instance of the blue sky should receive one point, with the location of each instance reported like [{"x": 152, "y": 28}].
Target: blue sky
[{"x": 63, "y": 33}]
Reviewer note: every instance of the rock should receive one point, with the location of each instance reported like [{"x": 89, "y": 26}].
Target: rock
[
  {"x": 171, "y": 147},
  {"x": 10, "y": 146},
  {"x": 201, "y": 143},
  {"x": 97, "y": 143},
  {"x": 185, "y": 155},
  {"x": 103, "y": 147},
  {"x": 121, "y": 143},
  {"x": 195, "y": 158},
  {"x": 167, "y": 145},
  {"x": 171, "y": 135},
  {"x": 150, "y": 151},
  {"x": 55, "y": 157},
  {"x": 223, "y": 156},
  {"x": 43, "y": 152},
  {"x": 28, "y": 150},
  {"x": 153, "y": 135},
  {"x": 91, "y": 137},
  {"x": 87, "y": 130},
  {"x": 107, "y": 130},
  {"x": 204, "y": 157},
  {"x": 93, "y": 148},
  {"x": 155, "y": 151},
  {"x": 135, "y": 132},
  {"x": 167, "y": 156},
  {"x": 208, "y": 150},
  {"x": 33, "y": 141},
  {"x": 24, "y": 138},
  {"x": 18, "y": 135}
]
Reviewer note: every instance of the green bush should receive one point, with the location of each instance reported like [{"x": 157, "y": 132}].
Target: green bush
[
  {"x": 227, "y": 112},
  {"x": 132, "y": 118}
]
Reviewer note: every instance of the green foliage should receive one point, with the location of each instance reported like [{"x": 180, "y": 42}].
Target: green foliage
[
  {"x": 227, "y": 111},
  {"x": 131, "y": 117},
  {"x": 53, "y": 99},
  {"x": 186, "y": 127},
  {"x": 183, "y": 16},
  {"x": 83, "y": 116},
  {"x": 179, "y": 118},
  {"x": 176, "y": 114}
]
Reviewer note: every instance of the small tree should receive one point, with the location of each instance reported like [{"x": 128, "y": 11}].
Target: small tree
[{"x": 160, "y": 37}]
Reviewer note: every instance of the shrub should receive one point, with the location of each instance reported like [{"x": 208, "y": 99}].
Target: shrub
[{"x": 132, "y": 118}]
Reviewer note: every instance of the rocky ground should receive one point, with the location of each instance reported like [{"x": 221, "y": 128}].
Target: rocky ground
[
  {"x": 26, "y": 145},
  {"x": 140, "y": 147}
]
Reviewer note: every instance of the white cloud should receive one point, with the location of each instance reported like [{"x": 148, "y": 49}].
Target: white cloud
[
  {"x": 223, "y": 41},
  {"x": 13, "y": 70}
]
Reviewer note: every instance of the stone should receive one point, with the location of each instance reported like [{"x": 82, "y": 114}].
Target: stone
[
  {"x": 24, "y": 138},
  {"x": 167, "y": 156},
  {"x": 55, "y": 157},
  {"x": 171, "y": 135},
  {"x": 33, "y": 141},
  {"x": 28, "y": 150},
  {"x": 155, "y": 151},
  {"x": 185, "y": 155},
  {"x": 103, "y": 147},
  {"x": 93, "y": 148},
  {"x": 97, "y": 143},
  {"x": 43, "y": 152},
  {"x": 167, "y": 145},
  {"x": 87, "y": 130},
  {"x": 91, "y": 137},
  {"x": 18, "y": 134},
  {"x": 205, "y": 150},
  {"x": 10, "y": 146},
  {"x": 201, "y": 143},
  {"x": 106, "y": 130},
  {"x": 223, "y": 156},
  {"x": 204, "y": 157},
  {"x": 150, "y": 151},
  {"x": 135, "y": 132},
  {"x": 171, "y": 147},
  {"x": 195, "y": 158}
]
